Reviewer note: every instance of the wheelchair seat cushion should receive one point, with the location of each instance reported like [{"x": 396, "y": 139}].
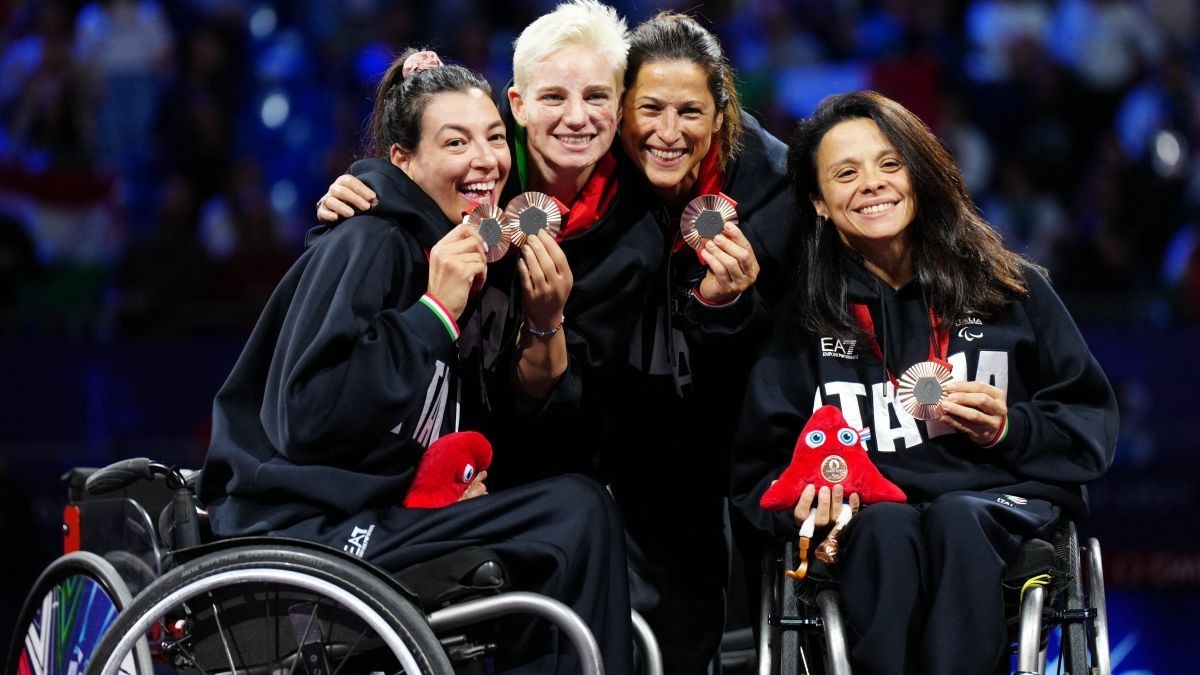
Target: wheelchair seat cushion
[{"x": 464, "y": 574}]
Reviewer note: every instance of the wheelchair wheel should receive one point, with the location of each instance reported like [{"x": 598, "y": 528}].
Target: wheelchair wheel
[
  {"x": 74, "y": 601},
  {"x": 251, "y": 609}
]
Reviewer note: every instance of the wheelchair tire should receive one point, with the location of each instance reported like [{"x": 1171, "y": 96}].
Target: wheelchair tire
[
  {"x": 72, "y": 604},
  {"x": 253, "y": 609}
]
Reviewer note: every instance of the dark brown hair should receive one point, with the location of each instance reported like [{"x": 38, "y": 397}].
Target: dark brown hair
[
  {"x": 400, "y": 101},
  {"x": 960, "y": 261},
  {"x": 669, "y": 36}
]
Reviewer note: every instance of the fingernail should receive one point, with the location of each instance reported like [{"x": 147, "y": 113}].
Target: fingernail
[{"x": 710, "y": 246}]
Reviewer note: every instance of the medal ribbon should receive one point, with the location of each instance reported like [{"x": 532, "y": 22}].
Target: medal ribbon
[{"x": 939, "y": 338}]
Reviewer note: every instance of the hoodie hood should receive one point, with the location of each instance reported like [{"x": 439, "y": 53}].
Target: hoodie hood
[
  {"x": 517, "y": 143},
  {"x": 900, "y": 317},
  {"x": 758, "y": 174},
  {"x": 402, "y": 202}
]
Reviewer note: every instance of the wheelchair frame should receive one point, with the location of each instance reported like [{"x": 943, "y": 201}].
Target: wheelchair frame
[
  {"x": 377, "y": 599},
  {"x": 791, "y": 632}
]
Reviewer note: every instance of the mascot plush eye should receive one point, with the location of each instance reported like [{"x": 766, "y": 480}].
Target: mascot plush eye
[
  {"x": 847, "y": 436},
  {"x": 467, "y": 474},
  {"x": 815, "y": 439}
]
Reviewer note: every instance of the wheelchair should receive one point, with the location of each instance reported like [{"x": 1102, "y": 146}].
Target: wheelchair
[
  {"x": 134, "y": 597},
  {"x": 1054, "y": 583}
]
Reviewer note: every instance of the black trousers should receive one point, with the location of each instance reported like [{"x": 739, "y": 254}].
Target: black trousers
[
  {"x": 921, "y": 584},
  {"x": 679, "y": 547},
  {"x": 561, "y": 537}
]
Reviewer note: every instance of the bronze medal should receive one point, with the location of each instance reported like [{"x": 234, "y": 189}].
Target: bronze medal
[
  {"x": 922, "y": 388},
  {"x": 530, "y": 212},
  {"x": 704, "y": 217},
  {"x": 834, "y": 469},
  {"x": 489, "y": 220}
]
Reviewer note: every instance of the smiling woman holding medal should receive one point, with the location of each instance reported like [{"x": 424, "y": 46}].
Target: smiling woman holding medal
[
  {"x": 674, "y": 272},
  {"x": 720, "y": 180},
  {"x": 991, "y": 431},
  {"x": 357, "y": 368},
  {"x": 600, "y": 231}
]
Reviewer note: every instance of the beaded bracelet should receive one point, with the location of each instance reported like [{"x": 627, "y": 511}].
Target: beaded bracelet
[{"x": 543, "y": 333}]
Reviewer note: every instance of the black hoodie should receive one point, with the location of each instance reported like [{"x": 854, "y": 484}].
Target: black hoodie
[
  {"x": 1062, "y": 413},
  {"x": 346, "y": 377},
  {"x": 613, "y": 263},
  {"x": 682, "y": 401}
]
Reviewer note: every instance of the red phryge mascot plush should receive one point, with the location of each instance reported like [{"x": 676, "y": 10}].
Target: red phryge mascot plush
[
  {"x": 447, "y": 468},
  {"x": 828, "y": 453}
]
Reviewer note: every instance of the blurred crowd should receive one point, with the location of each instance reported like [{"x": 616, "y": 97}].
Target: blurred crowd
[{"x": 159, "y": 159}]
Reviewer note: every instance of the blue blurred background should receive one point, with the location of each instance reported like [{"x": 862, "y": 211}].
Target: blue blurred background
[{"x": 159, "y": 162}]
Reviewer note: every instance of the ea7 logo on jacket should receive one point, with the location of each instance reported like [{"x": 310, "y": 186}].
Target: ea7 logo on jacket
[
  {"x": 356, "y": 545},
  {"x": 838, "y": 348}
]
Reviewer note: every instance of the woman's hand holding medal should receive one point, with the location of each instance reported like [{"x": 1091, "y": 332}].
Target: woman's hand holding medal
[
  {"x": 546, "y": 281},
  {"x": 709, "y": 225},
  {"x": 976, "y": 409},
  {"x": 732, "y": 265},
  {"x": 457, "y": 268},
  {"x": 530, "y": 222}
]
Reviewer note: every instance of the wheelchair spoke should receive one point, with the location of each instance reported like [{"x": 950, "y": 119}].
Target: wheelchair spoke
[
  {"x": 350, "y": 653},
  {"x": 221, "y": 633},
  {"x": 302, "y": 639}
]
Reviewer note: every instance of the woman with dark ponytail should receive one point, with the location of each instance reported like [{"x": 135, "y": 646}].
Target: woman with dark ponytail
[
  {"x": 357, "y": 364},
  {"x": 681, "y": 390}
]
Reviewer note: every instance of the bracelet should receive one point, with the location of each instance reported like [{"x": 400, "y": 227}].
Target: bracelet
[
  {"x": 542, "y": 333},
  {"x": 1000, "y": 433},
  {"x": 713, "y": 305}
]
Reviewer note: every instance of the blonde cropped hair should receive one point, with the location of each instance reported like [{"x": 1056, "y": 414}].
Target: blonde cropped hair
[{"x": 584, "y": 23}]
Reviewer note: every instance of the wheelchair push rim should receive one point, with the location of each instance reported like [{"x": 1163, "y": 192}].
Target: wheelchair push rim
[{"x": 221, "y": 613}]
